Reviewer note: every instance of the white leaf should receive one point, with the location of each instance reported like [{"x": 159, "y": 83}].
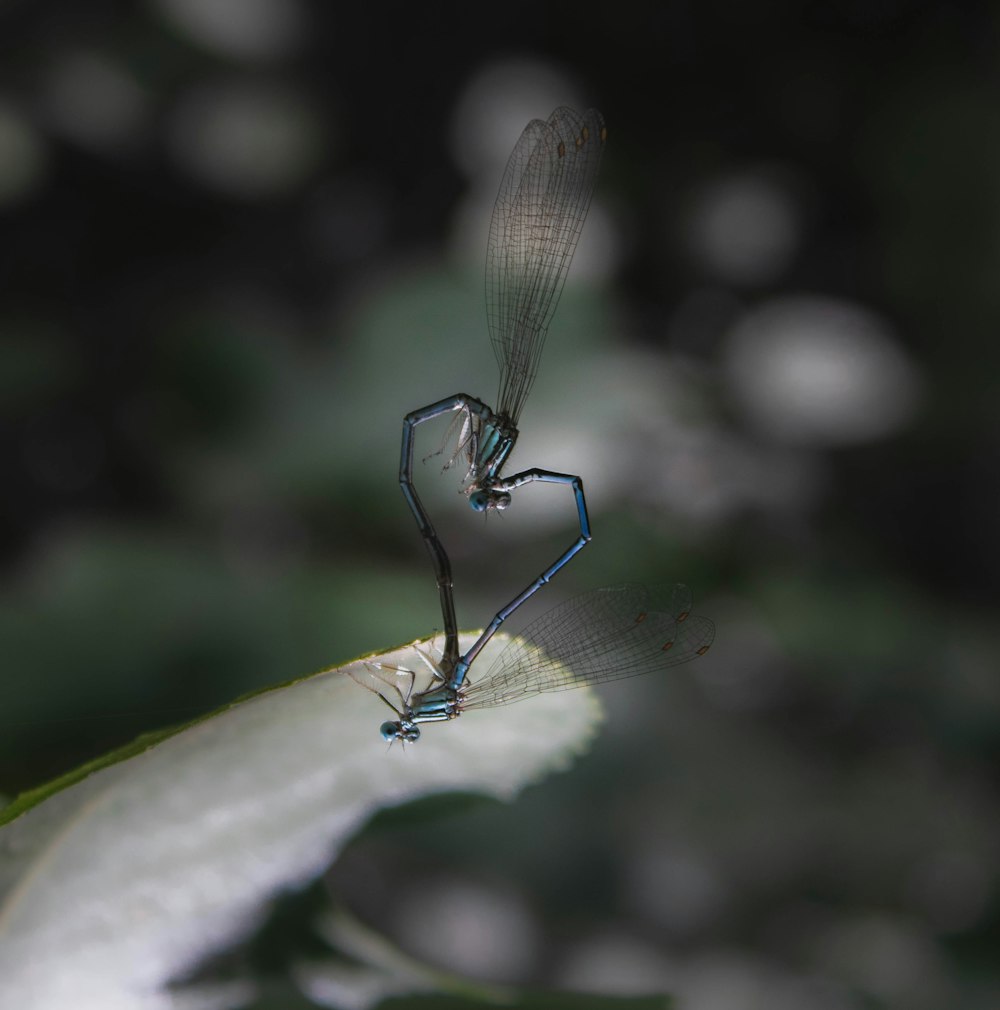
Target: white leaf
[{"x": 122, "y": 881}]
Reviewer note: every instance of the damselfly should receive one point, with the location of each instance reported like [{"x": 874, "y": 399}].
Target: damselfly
[
  {"x": 606, "y": 634},
  {"x": 539, "y": 213}
]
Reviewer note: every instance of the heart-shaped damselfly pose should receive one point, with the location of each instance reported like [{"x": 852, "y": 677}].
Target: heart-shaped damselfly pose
[
  {"x": 606, "y": 634},
  {"x": 539, "y": 213}
]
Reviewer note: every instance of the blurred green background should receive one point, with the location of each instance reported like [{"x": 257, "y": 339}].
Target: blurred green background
[{"x": 242, "y": 240}]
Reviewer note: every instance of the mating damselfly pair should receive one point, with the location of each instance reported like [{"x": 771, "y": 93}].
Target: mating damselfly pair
[{"x": 603, "y": 635}]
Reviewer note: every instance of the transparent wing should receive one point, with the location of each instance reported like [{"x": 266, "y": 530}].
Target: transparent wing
[
  {"x": 539, "y": 213},
  {"x": 394, "y": 683},
  {"x": 400, "y": 673},
  {"x": 604, "y": 635}
]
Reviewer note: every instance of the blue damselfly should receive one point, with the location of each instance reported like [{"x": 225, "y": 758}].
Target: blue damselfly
[
  {"x": 603, "y": 635},
  {"x": 537, "y": 219}
]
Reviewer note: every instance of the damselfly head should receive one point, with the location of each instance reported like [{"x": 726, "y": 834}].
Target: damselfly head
[
  {"x": 483, "y": 501},
  {"x": 407, "y": 732}
]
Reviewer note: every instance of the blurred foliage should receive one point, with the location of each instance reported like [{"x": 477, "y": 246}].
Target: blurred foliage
[{"x": 531, "y": 1001}]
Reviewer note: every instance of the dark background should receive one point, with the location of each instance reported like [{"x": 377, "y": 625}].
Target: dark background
[{"x": 240, "y": 242}]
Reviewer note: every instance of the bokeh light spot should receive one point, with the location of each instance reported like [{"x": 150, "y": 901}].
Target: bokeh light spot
[
  {"x": 23, "y": 158},
  {"x": 812, "y": 370},
  {"x": 92, "y": 101},
  {"x": 250, "y": 139},
  {"x": 745, "y": 228},
  {"x": 245, "y": 29}
]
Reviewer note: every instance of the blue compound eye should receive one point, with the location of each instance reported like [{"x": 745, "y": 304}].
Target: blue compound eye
[
  {"x": 479, "y": 500},
  {"x": 390, "y": 730}
]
